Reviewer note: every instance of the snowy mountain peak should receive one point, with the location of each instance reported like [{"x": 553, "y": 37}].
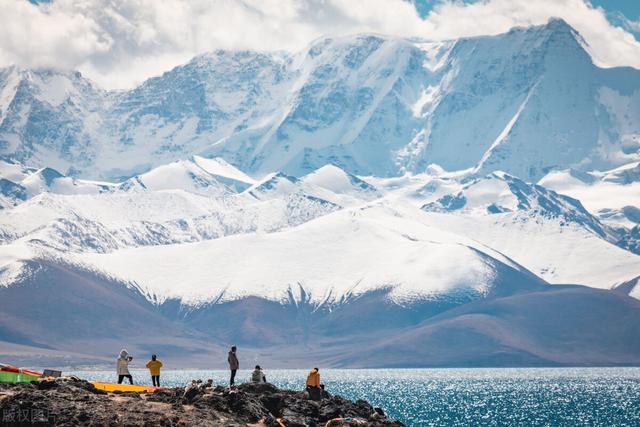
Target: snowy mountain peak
[
  {"x": 14, "y": 171},
  {"x": 558, "y": 26},
  {"x": 48, "y": 175},
  {"x": 556, "y": 35},
  {"x": 500, "y": 193},
  {"x": 625, "y": 175},
  {"x": 370, "y": 104},
  {"x": 276, "y": 183},
  {"x": 340, "y": 182},
  {"x": 47, "y": 85},
  {"x": 225, "y": 173},
  {"x": 11, "y": 193},
  {"x": 184, "y": 175}
]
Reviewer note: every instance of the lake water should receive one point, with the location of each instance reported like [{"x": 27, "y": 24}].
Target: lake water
[{"x": 464, "y": 397}]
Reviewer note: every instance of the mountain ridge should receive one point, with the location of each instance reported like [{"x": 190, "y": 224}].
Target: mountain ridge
[
  {"x": 370, "y": 104},
  {"x": 114, "y": 224},
  {"x": 475, "y": 201},
  {"x": 362, "y": 265}
]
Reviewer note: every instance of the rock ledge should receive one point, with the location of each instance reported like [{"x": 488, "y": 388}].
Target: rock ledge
[{"x": 71, "y": 402}]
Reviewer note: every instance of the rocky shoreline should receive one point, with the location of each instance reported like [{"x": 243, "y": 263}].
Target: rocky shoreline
[{"x": 72, "y": 402}]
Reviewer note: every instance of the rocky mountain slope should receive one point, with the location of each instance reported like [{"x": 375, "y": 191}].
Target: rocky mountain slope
[{"x": 529, "y": 100}]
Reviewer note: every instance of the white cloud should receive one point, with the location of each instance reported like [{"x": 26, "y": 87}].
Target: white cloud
[
  {"x": 609, "y": 45},
  {"x": 627, "y": 24},
  {"x": 118, "y": 43}
]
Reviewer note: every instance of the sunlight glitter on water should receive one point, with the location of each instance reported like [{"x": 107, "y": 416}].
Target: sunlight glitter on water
[{"x": 464, "y": 397}]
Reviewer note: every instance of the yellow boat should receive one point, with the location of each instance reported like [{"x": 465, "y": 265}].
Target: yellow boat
[{"x": 124, "y": 387}]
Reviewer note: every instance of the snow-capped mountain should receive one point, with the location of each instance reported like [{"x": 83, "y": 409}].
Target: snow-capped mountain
[
  {"x": 336, "y": 180},
  {"x": 19, "y": 183},
  {"x": 502, "y": 193},
  {"x": 328, "y": 218},
  {"x": 328, "y": 248},
  {"x": 163, "y": 206},
  {"x": 613, "y": 195},
  {"x": 192, "y": 176},
  {"x": 339, "y": 256},
  {"x": 474, "y": 201},
  {"x": 50, "y": 118},
  {"x": 523, "y": 102},
  {"x": 550, "y": 233}
]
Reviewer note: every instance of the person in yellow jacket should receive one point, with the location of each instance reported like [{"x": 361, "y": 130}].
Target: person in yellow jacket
[
  {"x": 154, "y": 366},
  {"x": 314, "y": 388}
]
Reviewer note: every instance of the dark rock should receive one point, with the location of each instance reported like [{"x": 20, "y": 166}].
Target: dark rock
[
  {"x": 328, "y": 411},
  {"x": 258, "y": 388},
  {"x": 70, "y": 402},
  {"x": 274, "y": 403},
  {"x": 191, "y": 393},
  {"x": 45, "y": 384}
]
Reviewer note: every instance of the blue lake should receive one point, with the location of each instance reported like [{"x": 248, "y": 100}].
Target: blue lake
[{"x": 463, "y": 397}]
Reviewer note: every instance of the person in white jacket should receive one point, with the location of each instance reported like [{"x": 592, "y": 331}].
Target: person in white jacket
[
  {"x": 258, "y": 376},
  {"x": 122, "y": 364}
]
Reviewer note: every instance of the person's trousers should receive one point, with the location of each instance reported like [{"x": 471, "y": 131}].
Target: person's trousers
[
  {"x": 233, "y": 376},
  {"x": 122, "y": 377},
  {"x": 156, "y": 380},
  {"x": 315, "y": 393}
]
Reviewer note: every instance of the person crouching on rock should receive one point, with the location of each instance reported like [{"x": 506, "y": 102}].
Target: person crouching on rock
[
  {"x": 258, "y": 376},
  {"x": 314, "y": 388},
  {"x": 234, "y": 364},
  {"x": 123, "y": 366},
  {"x": 154, "y": 366}
]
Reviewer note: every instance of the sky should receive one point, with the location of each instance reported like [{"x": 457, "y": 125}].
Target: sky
[{"x": 120, "y": 43}]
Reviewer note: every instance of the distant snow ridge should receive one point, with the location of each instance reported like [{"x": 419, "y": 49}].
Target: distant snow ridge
[
  {"x": 19, "y": 183},
  {"x": 343, "y": 254},
  {"x": 185, "y": 175},
  {"x": 613, "y": 195},
  {"x": 184, "y": 201},
  {"x": 551, "y": 234},
  {"x": 422, "y": 170},
  {"x": 500, "y": 192},
  {"x": 524, "y": 102},
  {"x": 11, "y": 193},
  {"x": 335, "y": 179},
  {"x": 626, "y": 174},
  {"x": 211, "y": 177},
  {"x": 330, "y": 234}
]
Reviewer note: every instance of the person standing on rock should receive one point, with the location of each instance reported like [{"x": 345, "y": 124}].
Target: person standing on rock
[
  {"x": 234, "y": 364},
  {"x": 123, "y": 366},
  {"x": 154, "y": 366}
]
